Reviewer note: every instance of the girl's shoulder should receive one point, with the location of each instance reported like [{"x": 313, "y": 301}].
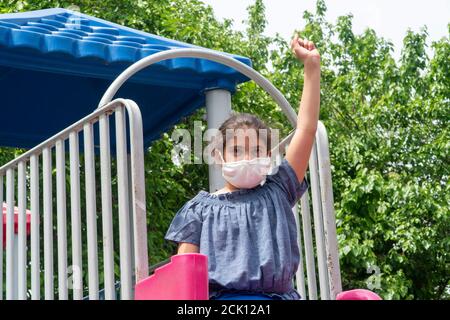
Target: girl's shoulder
[{"x": 284, "y": 181}]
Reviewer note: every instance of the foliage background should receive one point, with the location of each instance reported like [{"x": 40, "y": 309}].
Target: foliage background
[{"x": 387, "y": 123}]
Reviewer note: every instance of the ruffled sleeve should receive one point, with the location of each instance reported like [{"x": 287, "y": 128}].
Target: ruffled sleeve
[
  {"x": 186, "y": 226},
  {"x": 286, "y": 179}
]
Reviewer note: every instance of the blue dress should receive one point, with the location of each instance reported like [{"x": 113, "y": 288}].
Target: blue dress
[{"x": 249, "y": 236}]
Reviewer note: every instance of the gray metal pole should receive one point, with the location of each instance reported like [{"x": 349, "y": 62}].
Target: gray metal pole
[
  {"x": 15, "y": 288},
  {"x": 218, "y": 109},
  {"x": 329, "y": 219}
]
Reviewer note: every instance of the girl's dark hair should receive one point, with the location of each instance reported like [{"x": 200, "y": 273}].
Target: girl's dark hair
[{"x": 244, "y": 121}]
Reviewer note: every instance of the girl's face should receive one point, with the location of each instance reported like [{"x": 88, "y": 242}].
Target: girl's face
[{"x": 245, "y": 144}]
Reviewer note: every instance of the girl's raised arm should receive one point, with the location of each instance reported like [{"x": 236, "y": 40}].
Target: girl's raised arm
[{"x": 308, "y": 115}]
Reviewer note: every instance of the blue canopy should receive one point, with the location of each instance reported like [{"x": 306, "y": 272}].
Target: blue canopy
[{"x": 55, "y": 65}]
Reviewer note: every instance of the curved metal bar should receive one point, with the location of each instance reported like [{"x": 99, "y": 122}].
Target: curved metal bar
[
  {"x": 329, "y": 220},
  {"x": 202, "y": 54}
]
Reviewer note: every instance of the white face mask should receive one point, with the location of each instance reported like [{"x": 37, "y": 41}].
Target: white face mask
[{"x": 246, "y": 174}]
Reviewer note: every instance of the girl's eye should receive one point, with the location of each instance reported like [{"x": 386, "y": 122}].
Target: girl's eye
[{"x": 256, "y": 152}]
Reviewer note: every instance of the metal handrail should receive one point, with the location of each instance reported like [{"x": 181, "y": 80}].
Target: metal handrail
[{"x": 131, "y": 201}]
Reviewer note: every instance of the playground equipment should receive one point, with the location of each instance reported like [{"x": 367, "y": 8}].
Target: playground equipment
[
  {"x": 185, "y": 277},
  {"x": 187, "y": 272}
]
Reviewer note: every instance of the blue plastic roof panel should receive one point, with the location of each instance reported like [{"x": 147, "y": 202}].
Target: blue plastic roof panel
[{"x": 55, "y": 65}]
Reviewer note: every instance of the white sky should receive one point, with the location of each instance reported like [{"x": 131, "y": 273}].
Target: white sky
[{"x": 389, "y": 18}]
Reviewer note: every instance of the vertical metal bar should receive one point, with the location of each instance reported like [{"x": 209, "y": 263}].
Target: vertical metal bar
[
  {"x": 300, "y": 274},
  {"x": 124, "y": 215},
  {"x": 105, "y": 169},
  {"x": 318, "y": 226},
  {"x": 137, "y": 190},
  {"x": 91, "y": 215},
  {"x": 48, "y": 223},
  {"x": 34, "y": 207},
  {"x": 218, "y": 109},
  {"x": 10, "y": 294},
  {"x": 62, "y": 224},
  {"x": 326, "y": 188},
  {"x": 309, "y": 250},
  {"x": 1, "y": 239},
  {"x": 77, "y": 279},
  {"x": 132, "y": 231},
  {"x": 22, "y": 236},
  {"x": 15, "y": 258}
]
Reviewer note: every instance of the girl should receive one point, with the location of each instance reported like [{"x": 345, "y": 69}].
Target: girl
[{"x": 247, "y": 229}]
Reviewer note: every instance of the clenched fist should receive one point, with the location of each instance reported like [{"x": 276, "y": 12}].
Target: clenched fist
[{"x": 305, "y": 50}]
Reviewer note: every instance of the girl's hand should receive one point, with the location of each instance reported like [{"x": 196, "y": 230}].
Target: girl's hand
[{"x": 305, "y": 50}]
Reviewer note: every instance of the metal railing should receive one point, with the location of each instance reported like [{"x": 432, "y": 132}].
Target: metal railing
[
  {"x": 326, "y": 254},
  {"x": 36, "y": 186}
]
